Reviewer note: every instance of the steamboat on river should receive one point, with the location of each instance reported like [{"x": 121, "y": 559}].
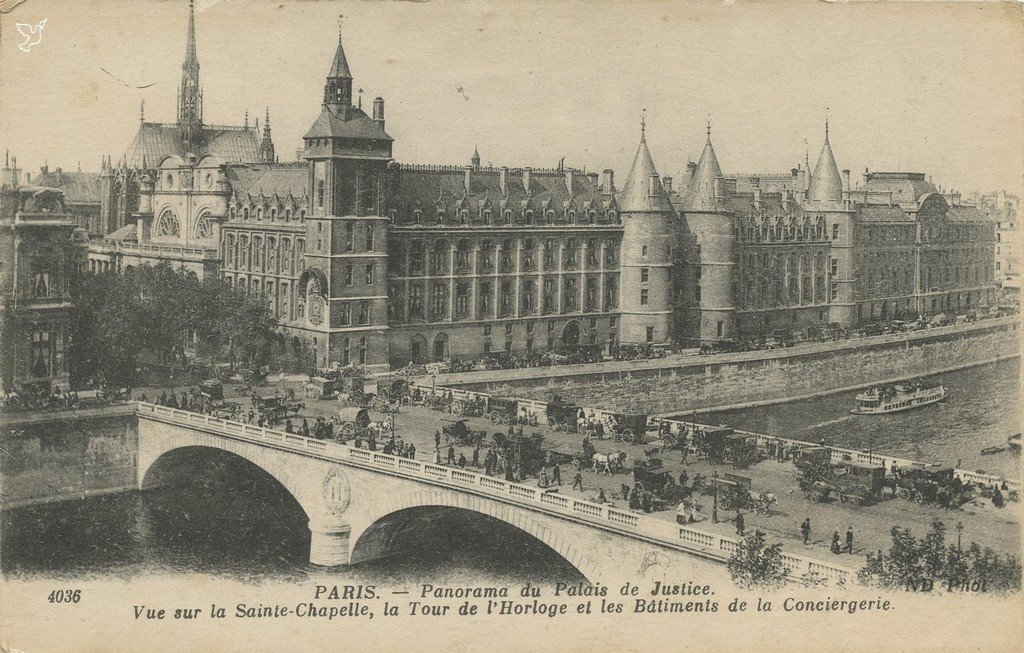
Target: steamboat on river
[{"x": 896, "y": 397}]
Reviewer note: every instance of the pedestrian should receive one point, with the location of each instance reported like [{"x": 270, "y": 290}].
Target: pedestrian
[
  {"x": 288, "y": 428},
  {"x": 329, "y": 430},
  {"x": 624, "y": 492},
  {"x": 437, "y": 439},
  {"x": 163, "y": 398},
  {"x": 997, "y": 498},
  {"x": 835, "y": 548},
  {"x": 412, "y": 451},
  {"x": 371, "y": 442},
  {"x": 685, "y": 451},
  {"x": 849, "y": 539},
  {"x": 462, "y": 460},
  {"x": 304, "y": 430},
  {"x": 359, "y": 441},
  {"x": 451, "y": 455},
  {"x": 577, "y": 481},
  {"x": 684, "y": 478},
  {"x": 556, "y": 474},
  {"x": 476, "y": 456},
  {"x": 543, "y": 480},
  {"x": 739, "y": 523},
  {"x": 437, "y": 456},
  {"x": 488, "y": 465},
  {"x": 779, "y": 450},
  {"x": 805, "y": 529}
]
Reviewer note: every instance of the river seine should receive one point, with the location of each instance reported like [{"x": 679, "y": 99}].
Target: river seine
[{"x": 982, "y": 408}]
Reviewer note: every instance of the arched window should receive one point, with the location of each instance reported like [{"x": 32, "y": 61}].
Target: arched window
[
  {"x": 204, "y": 226},
  {"x": 529, "y": 216},
  {"x": 168, "y": 224},
  {"x": 417, "y": 217},
  {"x": 245, "y": 213},
  {"x": 549, "y": 216}
]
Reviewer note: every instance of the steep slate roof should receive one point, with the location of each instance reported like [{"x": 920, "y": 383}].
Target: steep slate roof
[
  {"x": 78, "y": 187},
  {"x": 880, "y": 213},
  {"x": 905, "y": 186},
  {"x": 359, "y": 125},
  {"x": 339, "y": 67},
  {"x": 968, "y": 214},
  {"x": 636, "y": 192},
  {"x": 826, "y": 182},
  {"x": 771, "y": 204},
  {"x": 425, "y": 186},
  {"x": 268, "y": 179},
  {"x": 154, "y": 141},
  {"x": 700, "y": 191}
]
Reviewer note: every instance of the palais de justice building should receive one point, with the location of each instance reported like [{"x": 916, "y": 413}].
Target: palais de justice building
[{"x": 368, "y": 261}]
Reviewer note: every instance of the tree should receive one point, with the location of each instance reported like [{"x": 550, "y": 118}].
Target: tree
[
  {"x": 910, "y": 561},
  {"x": 756, "y": 564}
]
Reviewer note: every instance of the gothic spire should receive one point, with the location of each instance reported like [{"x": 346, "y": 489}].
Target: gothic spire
[
  {"x": 643, "y": 191},
  {"x": 267, "y": 144},
  {"x": 190, "y": 95},
  {"x": 338, "y": 89},
  {"x": 826, "y": 182},
  {"x": 700, "y": 195}
]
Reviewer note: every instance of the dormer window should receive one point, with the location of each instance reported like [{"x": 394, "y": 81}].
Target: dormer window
[
  {"x": 463, "y": 216},
  {"x": 287, "y": 215},
  {"x": 273, "y": 214},
  {"x": 549, "y": 216},
  {"x": 259, "y": 214},
  {"x": 245, "y": 213},
  {"x": 572, "y": 215},
  {"x": 417, "y": 216},
  {"x": 487, "y": 215},
  {"x": 507, "y": 214},
  {"x": 529, "y": 216},
  {"x": 592, "y": 216},
  {"x": 612, "y": 216}
]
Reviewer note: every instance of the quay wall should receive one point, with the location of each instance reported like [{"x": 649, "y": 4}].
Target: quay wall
[
  {"x": 64, "y": 455},
  {"x": 698, "y": 383}
]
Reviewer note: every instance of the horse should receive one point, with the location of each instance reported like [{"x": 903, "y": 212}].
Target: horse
[{"x": 609, "y": 462}]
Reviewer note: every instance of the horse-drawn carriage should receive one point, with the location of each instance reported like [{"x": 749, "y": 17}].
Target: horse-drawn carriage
[
  {"x": 930, "y": 484},
  {"x": 459, "y": 431},
  {"x": 353, "y": 421},
  {"x": 630, "y": 428},
  {"x": 848, "y": 480},
  {"x": 521, "y": 452},
  {"x": 735, "y": 493},
  {"x": 319, "y": 387},
  {"x": 276, "y": 407},
  {"x": 470, "y": 406},
  {"x": 501, "y": 410},
  {"x": 722, "y": 445},
  {"x": 562, "y": 415},
  {"x": 655, "y": 488}
]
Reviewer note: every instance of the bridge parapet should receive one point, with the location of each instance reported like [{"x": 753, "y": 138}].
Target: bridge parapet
[{"x": 660, "y": 532}]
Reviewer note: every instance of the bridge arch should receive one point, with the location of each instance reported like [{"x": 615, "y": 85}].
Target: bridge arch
[{"x": 376, "y": 535}]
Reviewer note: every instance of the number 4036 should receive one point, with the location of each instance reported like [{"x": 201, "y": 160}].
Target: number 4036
[{"x": 65, "y": 596}]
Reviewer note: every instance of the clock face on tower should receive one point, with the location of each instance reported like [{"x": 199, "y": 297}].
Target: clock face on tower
[{"x": 315, "y": 303}]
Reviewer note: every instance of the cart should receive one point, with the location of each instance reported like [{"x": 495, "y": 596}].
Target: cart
[
  {"x": 503, "y": 411},
  {"x": 562, "y": 416},
  {"x": 320, "y": 387},
  {"x": 212, "y": 391},
  {"x": 858, "y": 483},
  {"x": 459, "y": 431},
  {"x": 631, "y": 429},
  {"x": 655, "y": 487},
  {"x": 353, "y": 421}
]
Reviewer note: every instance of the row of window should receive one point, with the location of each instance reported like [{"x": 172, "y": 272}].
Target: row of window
[
  {"x": 432, "y": 301},
  {"x": 271, "y": 213},
  {"x": 366, "y": 244},
  {"x": 503, "y": 217},
  {"x": 263, "y": 253},
  {"x": 438, "y": 257}
]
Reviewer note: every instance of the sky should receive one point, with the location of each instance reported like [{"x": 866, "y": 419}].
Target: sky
[{"x": 936, "y": 88}]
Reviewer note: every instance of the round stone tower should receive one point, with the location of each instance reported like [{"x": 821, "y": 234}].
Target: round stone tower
[{"x": 646, "y": 270}]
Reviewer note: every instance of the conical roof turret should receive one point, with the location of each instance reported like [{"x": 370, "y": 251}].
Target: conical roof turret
[
  {"x": 826, "y": 182},
  {"x": 700, "y": 194},
  {"x": 339, "y": 67},
  {"x": 643, "y": 191}
]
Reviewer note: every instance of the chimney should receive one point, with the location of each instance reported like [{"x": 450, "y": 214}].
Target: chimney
[
  {"x": 503, "y": 180},
  {"x": 866, "y": 173},
  {"x": 654, "y": 186},
  {"x": 846, "y": 181},
  {"x": 667, "y": 183},
  {"x": 691, "y": 169},
  {"x": 526, "y": 179},
  {"x": 719, "y": 188},
  {"x": 146, "y": 185},
  {"x": 801, "y": 179},
  {"x": 593, "y": 177},
  {"x": 608, "y": 182},
  {"x": 378, "y": 111},
  {"x": 569, "y": 179},
  {"x": 757, "y": 197},
  {"x": 469, "y": 177},
  {"x": 785, "y": 200}
]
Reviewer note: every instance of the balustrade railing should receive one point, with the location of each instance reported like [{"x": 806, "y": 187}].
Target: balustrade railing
[{"x": 688, "y": 539}]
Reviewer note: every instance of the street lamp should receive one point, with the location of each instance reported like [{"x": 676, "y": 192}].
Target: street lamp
[
  {"x": 714, "y": 505},
  {"x": 959, "y": 532}
]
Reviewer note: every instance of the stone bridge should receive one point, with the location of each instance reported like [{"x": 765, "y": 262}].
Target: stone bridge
[{"x": 360, "y": 503}]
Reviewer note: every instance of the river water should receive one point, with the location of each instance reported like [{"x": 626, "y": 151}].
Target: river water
[
  {"x": 229, "y": 519},
  {"x": 982, "y": 407}
]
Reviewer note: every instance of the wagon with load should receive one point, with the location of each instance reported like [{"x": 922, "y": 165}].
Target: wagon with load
[
  {"x": 521, "y": 451},
  {"x": 655, "y": 488},
  {"x": 459, "y": 431},
  {"x": 722, "y": 445},
  {"x": 930, "y": 484}
]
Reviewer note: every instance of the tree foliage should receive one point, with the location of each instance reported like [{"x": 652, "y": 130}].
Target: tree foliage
[
  {"x": 911, "y": 560},
  {"x": 756, "y": 564},
  {"x": 117, "y": 318}
]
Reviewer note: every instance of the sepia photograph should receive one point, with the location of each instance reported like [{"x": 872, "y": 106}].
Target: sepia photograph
[{"x": 486, "y": 325}]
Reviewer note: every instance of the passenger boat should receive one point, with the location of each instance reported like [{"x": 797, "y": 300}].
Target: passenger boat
[{"x": 893, "y": 398}]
